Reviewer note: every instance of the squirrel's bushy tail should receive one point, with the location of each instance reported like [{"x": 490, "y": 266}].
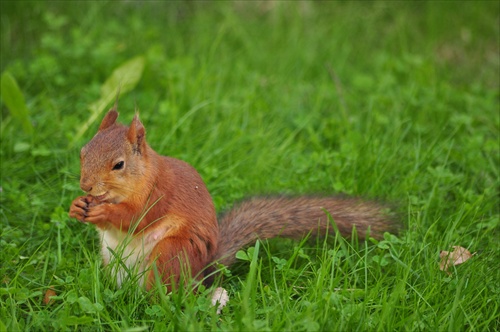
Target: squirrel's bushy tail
[{"x": 295, "y": 217}]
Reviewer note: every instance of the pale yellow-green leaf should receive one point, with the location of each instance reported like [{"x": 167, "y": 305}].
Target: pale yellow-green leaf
[
  {"x": 126, "y": 77},
  {"x": 14, "y": 100},
  {"x": 123, "y": 79}
]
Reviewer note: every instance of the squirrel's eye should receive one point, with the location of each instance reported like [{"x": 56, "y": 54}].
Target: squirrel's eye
[{"x": 118, "y": 165}]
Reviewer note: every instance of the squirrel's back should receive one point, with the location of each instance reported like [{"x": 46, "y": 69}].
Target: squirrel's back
[{"x": 295, "y": 217}]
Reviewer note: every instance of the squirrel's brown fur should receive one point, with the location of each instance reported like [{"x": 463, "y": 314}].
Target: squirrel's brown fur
[
  {"x": 167, "y": 208},
  {"x": 296, "y": 217}
]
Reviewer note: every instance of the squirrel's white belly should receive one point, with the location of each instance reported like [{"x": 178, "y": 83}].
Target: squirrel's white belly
[{"x": 132, "y": 250}]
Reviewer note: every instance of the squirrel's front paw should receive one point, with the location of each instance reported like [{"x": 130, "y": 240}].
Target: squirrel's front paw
[
  {"x": 79, "y": 208},
  {"x": 97, "y": 213},
  {"x": 91, "y": 201}
]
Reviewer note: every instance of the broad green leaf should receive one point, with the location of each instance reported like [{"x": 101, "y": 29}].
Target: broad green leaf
[
  {"x": 2, "y": 327},
  {"x": 86, "y": 305},
  {"x": 246, "y": 255},
  {"x": 123, "y": 79},
  {"x": 71, "y": 297},
  {"x": 242, "y": 255},
  {"x": 14, "y": 99},
  {"x": 21, "y": 147}
]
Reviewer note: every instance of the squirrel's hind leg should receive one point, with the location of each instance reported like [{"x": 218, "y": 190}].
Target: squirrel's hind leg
[{"x": 175, "y": 260}]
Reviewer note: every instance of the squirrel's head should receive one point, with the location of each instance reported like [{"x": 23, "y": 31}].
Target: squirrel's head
[{"x": 114, "y": 161}]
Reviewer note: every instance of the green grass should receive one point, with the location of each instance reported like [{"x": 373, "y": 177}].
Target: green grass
[{"x": 396, "y": 101}]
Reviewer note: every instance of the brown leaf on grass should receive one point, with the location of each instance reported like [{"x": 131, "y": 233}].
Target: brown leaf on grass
[
  {"x": 457, "y": 256},
  {"x": 47, "y": 299}
]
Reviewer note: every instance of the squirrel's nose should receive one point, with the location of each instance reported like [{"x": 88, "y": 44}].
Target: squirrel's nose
[{"x": 87, "y": 187}]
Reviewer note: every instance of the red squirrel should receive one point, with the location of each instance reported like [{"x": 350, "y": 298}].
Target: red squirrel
[{"x": 160, "y": 212}]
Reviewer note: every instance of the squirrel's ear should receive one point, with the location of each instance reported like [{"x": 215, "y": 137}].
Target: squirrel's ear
[
  {"x": 109, "y": 119},
  {"x": 136, "y": 134}
]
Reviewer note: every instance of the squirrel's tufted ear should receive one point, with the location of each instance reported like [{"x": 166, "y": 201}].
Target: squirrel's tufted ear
[
  {"x": 109, "y": 119},
  {"x": 136, "y": 134}
]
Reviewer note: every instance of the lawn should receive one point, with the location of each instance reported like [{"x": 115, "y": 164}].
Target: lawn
[{"x": 392, "y": 101}]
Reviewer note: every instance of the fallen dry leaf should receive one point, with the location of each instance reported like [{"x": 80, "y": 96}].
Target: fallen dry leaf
[
  {"x": 457, "y": 256},
  {"x": 48, "y": 294}
]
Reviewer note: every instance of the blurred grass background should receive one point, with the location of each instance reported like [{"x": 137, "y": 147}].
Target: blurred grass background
[{"x": 396, "y": 101}]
